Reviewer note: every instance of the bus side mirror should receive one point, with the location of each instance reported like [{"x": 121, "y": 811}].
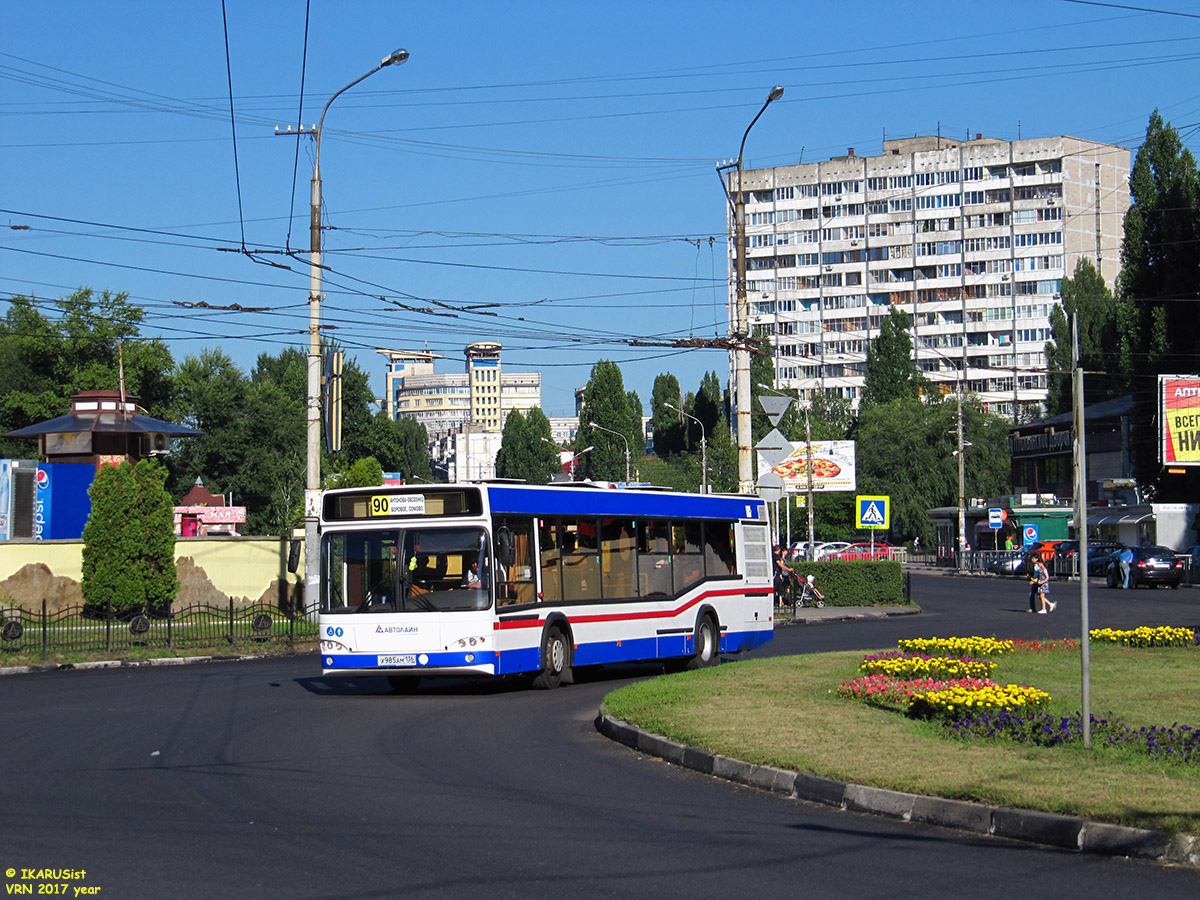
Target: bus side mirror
[
  {"x": 294, "y": 556},
  {"x": 506, "y": 550}
]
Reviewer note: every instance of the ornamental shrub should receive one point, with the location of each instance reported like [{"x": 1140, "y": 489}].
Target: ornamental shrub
[
  {"x": 852, "y": 582},
  {"x": 129, "y": 542}
]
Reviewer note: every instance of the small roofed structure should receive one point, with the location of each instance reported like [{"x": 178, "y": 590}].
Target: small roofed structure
[{"x": 102, "y": 429}]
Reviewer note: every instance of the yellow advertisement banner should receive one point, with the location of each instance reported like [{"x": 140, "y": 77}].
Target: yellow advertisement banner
[{"x": 1179, "y": 404}]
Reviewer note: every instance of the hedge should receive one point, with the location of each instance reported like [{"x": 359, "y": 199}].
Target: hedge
[{"x": 852, "y": 582}]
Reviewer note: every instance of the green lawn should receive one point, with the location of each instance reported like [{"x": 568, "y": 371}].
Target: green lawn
[{"x": 785, "y": 712}]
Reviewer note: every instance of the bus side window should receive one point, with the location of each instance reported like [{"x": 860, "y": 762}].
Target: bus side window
[
  {"x": 654, "y": 559},
  {"x": 580, "y": 560},
  {"x": 719, "y": 555},
  {"x": 688, "y": 555},
  {"x": 617, "y": 558}
]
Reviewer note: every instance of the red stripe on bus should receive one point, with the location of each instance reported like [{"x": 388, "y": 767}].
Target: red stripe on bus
[{"x": 629, "y": 617}]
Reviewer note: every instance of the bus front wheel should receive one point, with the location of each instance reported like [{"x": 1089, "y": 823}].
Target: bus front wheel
[
  {"x": 556, "y": 660},
  {"x": 707, "y": 644}
]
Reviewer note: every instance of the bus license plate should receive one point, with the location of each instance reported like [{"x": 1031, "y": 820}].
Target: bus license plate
[{"x": 403, "y": 659}]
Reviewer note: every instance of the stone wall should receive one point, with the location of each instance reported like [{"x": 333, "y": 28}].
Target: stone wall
[{"x": 251, "y": 570}]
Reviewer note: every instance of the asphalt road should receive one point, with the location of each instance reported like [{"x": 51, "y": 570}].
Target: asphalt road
[{"x": 262, "y": 779}]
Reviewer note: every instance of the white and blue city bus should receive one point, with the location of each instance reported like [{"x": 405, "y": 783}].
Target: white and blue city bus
[{"x": 423, "y": 581}]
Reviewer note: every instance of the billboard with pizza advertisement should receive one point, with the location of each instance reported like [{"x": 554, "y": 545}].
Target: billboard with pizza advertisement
[{"x": 833, "y": 468}]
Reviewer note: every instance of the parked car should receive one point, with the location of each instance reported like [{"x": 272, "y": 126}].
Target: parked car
[
  {"x": 1010, "y": 562},
  {"x": 1151, "y": 565},
  {"x": 1045, "y": 549},
  {"x": 1100, "y": 553},
  {"x": 866, "y": 551},
  {"x": 1066, "y": 553},
  {"x": 1191, "y": 563},
  {"x": 826, "y": 550}
]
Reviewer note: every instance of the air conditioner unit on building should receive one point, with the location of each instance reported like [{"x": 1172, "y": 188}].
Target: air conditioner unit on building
[{"x": 156, "y": 444}]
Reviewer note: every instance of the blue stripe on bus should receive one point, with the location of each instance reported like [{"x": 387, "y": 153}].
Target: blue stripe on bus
[
  {"x": 550, "y": 501},
  {"x": 435, "y": 661},
  {"x": 528, "y": 659}
]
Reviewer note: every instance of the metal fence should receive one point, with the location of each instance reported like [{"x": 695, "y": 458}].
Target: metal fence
[{"x": 78, "y": 629}]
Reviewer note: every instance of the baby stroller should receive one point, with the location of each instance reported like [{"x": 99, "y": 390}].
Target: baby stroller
[{"x": 810, "y": 595}]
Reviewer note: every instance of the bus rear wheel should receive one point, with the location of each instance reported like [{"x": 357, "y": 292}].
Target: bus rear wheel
[
  {"x": 556, "y": 660},
  {"x": 707, "y": 644}
]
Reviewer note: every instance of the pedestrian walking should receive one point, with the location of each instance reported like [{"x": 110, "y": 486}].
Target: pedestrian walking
[{"x": 1042, "y": 575}]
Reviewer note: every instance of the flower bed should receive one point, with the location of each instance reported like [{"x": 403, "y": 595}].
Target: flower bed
[
  {"x": 1178, "y": 743},
  {"x": 944, "y": 667},
  {"x": 957, "y": 691},
  {"x": 953, "y": 701},
  {"x": 894, "y": 693},
  {"x": 958, "y": 646},
  {"x": 1025, "y": 646},
  {"x": 1146, "y": 637}
]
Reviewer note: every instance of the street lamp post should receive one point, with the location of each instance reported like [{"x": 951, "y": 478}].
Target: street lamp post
[
  {"x": 703, "y": 447},
  {"x": 622, "y": 437},
  {"x": 741, "y": 353},
  {"x": 312, "y": 475}
]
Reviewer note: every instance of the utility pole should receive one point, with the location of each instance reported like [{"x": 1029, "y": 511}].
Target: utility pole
[
  {"x": 741, "y": 355},
  {"x": 312, "y": 472},
  {"x": 1081, "y": 532},
  {"x": 812, "y": 533}
]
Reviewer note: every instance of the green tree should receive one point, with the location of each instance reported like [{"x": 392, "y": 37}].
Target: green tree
[
  {"x": 667, "y": 423},
  {"x": 364, "y": 472},
  {"x": 414, "y": 455},
  {"x": 47, "y": 359},
  {"x": 129, "y": 541},
  {"x": 514, "y": 457},
  {"x": 605, "y": 403},
  {"x": 526, "y": 449},
  {"x": 891, "y": 373},
  {"x": 358, "y": 425},
  {"x": 545, "y": 462},
  {"x": 210, "y": 396},
  {"x": 1159, "y": 287},
  {"x": 905, "y": 449},
  {"x": 1088, "y": 297}
]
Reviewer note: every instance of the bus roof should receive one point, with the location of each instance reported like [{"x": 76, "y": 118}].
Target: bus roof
[{"x": 575, "y": 501}]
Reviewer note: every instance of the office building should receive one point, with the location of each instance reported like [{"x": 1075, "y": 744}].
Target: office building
[
  {"x": 971, "y": 238},
  {"x": 482, "y": 396}
]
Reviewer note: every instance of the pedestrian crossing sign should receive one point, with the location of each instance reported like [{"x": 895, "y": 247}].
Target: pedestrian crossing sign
[{"x": 874, "y": 512}]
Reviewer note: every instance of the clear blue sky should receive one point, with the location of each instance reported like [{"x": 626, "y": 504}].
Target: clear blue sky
[{"x": 552, "y": 164}]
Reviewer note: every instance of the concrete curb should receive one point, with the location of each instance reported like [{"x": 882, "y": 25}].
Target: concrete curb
[{"x": 1048, "y": 829}]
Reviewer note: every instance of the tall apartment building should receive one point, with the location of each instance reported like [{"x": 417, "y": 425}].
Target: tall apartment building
[
  {"x": 483, "y": 395},
  {"x": 971, "y": 238}
]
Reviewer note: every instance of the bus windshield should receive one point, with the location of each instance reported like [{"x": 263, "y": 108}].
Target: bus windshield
[{"x": 407, "y": 570}]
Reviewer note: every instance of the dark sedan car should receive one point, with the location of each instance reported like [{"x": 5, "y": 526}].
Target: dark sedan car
[
  {"x": 1100, "y": 553},
  {"x": 1151, "y": 565}
]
